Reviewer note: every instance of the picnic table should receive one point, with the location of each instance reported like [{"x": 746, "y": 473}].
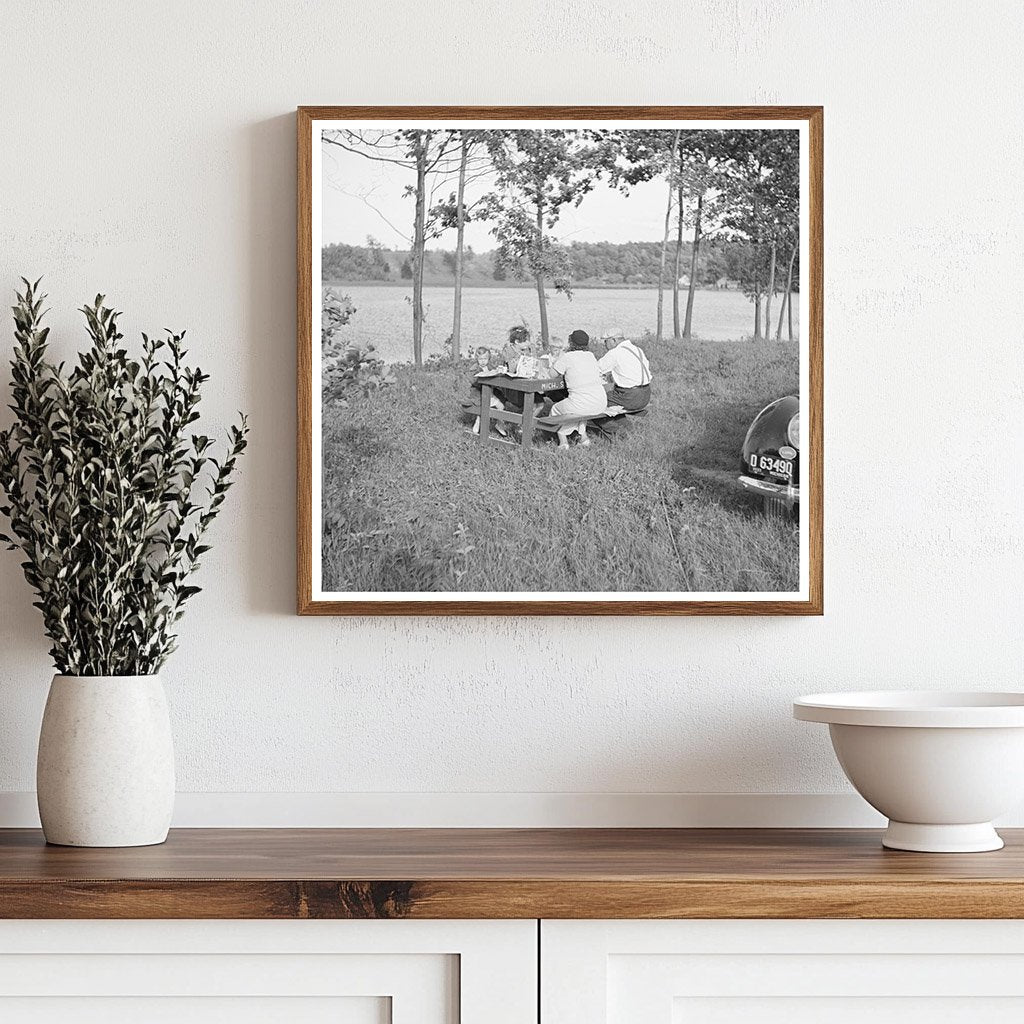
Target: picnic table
[
  {"x": 528, "y": 386},
  {"x": 528, "y": 420}
]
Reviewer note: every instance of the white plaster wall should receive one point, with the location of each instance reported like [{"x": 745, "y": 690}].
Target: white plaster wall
[{"x": 147, "y": 151}]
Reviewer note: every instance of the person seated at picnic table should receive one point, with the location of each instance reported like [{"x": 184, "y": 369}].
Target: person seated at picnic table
[
  {"x": 484, "y": 357},
  {"x": 629, "y": 370},
  {"x": 518, "y": 345},
  {"x": 586, "y": 397}
]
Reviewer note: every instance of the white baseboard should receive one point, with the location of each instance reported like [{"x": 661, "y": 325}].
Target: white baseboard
[
  {"x": 494, "y": 810},
  {"x": 503, "y": 810}
]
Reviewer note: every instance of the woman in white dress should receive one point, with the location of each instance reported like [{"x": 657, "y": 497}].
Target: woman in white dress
[{"x": 583, "y": 381}]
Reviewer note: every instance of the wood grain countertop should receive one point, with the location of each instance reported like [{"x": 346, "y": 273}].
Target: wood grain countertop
[{"x": 508, "y": 873}]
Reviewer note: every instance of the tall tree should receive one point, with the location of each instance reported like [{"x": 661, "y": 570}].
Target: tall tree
[
  {"x": 676, "y": 331},
  {"x": 420, "y": 151},
  {"x": 789, "y": 295},
  {"x": 646, "y": 154},
  {"x": 762, "y": 174},
  {"x": 454, "y": 212},
  {"x": 700, "y": 184},
  {"x": 694, "y": 253},
  {"x": 421, "y": 148},
  {"x": 538, "y": 172},
  {"x": 787, "y": 230},
  {"x": 460, "y": 228},
  {"x": 773, "y": 249},
  {"x": 787, "y": 298},
  {"x": 670, "y": 173}
]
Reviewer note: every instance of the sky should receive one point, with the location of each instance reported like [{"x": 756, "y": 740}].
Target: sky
[{"x": 364, "y": 197}]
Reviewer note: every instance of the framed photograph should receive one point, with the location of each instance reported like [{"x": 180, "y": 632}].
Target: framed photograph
[{"x": 569, "y": 361}]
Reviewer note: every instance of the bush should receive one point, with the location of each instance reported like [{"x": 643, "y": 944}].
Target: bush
[{"x": 348, "y": 369}]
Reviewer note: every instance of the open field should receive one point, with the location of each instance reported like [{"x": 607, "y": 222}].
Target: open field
[
  {"x": 383, "y": 315},
  {"x": 413, "y": 503}
]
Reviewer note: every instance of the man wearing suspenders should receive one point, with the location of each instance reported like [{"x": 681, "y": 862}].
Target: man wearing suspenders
[{"x": 629, "y": 370}]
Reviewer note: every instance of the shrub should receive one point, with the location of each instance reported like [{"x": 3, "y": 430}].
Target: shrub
[{"x": 348, "y": 369}]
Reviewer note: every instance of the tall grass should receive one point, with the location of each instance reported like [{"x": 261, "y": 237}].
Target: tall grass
[{"x": 411, "y": 502}]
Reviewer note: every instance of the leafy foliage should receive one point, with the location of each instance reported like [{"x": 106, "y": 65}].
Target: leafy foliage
[
  {"x": 525, "y": 250},
  {"x": 347, "y": 368},
  {"x": 108, "y": 494},
  {"x": 335, "y": 313},
  {"x": 537, "y": 173},
  {"x": 760, "y": 184}
]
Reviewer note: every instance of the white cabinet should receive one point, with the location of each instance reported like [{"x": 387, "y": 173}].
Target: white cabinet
[
  {"x": 258, "y": 972},
  {"x": 782, "y": 972},
  {"x": 486, "y": 972}
]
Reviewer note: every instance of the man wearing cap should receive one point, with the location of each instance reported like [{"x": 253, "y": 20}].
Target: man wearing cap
[{"x": 630, "y": 372}]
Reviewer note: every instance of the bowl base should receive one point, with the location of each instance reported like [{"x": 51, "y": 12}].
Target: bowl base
[{"x": 979, "y": 838}]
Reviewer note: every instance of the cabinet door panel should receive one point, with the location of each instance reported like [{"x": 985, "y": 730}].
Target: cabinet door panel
[
  {"x": 300, "y": 972},
  {"x": 189, "y": 1010},
  {"x": 814, "y": 1010},
  {"x": 797, "y": 972}
]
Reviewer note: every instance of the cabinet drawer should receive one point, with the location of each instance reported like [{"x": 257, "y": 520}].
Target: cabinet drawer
[
  {"x": 299, "y": 972},
  {"x": 782, "y": 972}
]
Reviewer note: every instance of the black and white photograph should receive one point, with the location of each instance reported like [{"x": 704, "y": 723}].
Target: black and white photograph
[{"x": 559, "y": 361}]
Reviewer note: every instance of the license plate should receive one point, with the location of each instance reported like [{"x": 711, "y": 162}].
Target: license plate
[{"x": 772, "y": 464}]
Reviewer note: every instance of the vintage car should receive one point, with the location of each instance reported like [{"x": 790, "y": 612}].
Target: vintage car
[{"x": 771, "y": 456}]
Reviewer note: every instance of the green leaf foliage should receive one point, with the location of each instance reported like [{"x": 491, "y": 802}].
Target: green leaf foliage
[{"x": 108, "y": 492}]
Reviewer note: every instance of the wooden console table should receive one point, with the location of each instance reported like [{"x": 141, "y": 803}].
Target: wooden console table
[
  {"x": 507, "y": 874},
  {"x": 495, "y": 926}
]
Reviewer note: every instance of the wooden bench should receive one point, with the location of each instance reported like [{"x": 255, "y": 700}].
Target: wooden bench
[
  {"x": 552, "y": 423},
  {"x": 608, "y": 423},
  {"x": 528, "y": 420}
]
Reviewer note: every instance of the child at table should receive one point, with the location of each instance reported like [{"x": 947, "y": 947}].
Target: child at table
[
  {"x": 484, "y": 357},
  {"x": 549, "y": 358}
]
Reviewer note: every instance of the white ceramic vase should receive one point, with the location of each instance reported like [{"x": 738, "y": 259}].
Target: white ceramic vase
[{"x": 105, "y": 771}]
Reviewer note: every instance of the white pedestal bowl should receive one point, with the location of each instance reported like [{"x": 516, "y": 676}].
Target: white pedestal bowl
[{"x": 940, "y": 766}]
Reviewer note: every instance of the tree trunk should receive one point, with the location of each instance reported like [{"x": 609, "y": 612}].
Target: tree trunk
[
  {"x": 676, "y": 332},
  {"x": 757, "y": 268},
  {"x": 771, "y": 290},
  {"x": 542, "y": 301},
  {"x": 789, "y": 309},
  {"x": 664, "y": 238},
  {"x": 782, "y": 316},
  {"x": 543, "y": 304},
  {"x": 693, "y": 266},
  {"x": 787, "y": 302},
  {"x": 419, "y": 246},
  {"x": 460, "y": 223}
]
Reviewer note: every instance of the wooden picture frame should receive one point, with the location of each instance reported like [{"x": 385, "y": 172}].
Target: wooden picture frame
[{"x": 809, "y": 601}]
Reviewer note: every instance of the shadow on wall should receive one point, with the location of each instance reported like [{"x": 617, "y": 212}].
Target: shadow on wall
[
  {"x": 269, "y": 308},
  {"x": 21, "y": 635}
]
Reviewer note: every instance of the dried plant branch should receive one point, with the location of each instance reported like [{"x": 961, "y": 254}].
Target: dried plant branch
[{"x": 109, "y": 496}]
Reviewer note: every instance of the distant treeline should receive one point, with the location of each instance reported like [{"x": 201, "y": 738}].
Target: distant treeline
[{"x": 720, "y": 264}]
